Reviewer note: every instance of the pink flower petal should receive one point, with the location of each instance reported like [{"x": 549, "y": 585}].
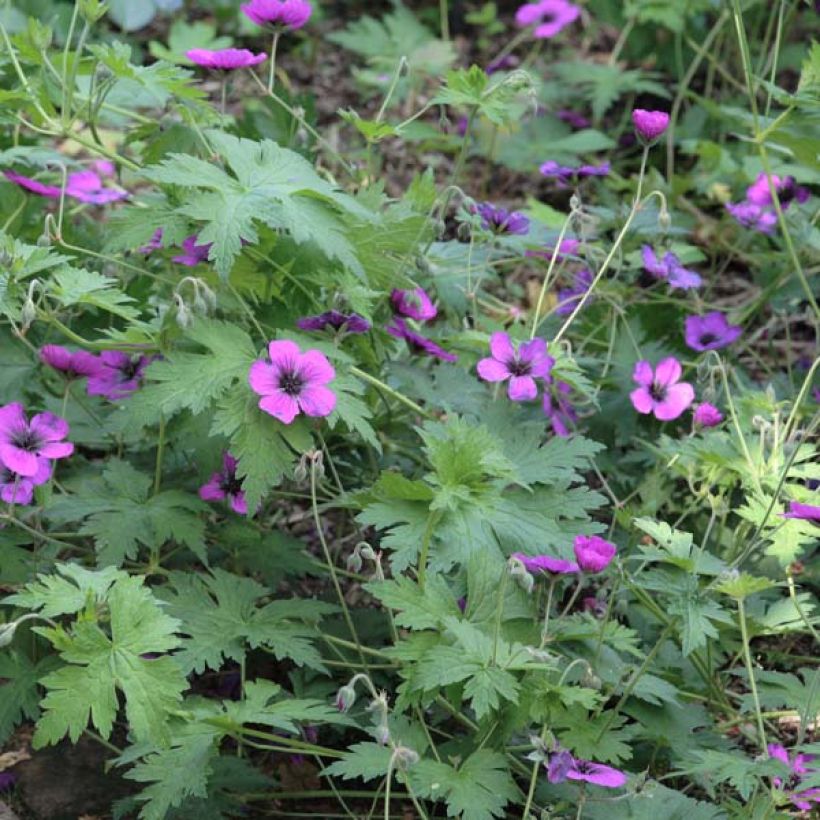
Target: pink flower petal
[
  {"x": 522, "y": 388},
  {"x": 501, "y": 347},
  {"x": 315, "y": 368},
  {"x": 263, "y": 378},
  {"x": 643, "y": 374},
  {"x": 678, "y": 398},
  {"x": 668, "y": 371},
  {"x": 317, "y": 400},
  {"x": 212, "y": 491},
  {"x": 281, "y": 406},
  {"x": 56, "y": 449},
  {"x": 492, "y": 370},
  {"x": 641, "y": 400},
  {"x": 19, "y": 461}
]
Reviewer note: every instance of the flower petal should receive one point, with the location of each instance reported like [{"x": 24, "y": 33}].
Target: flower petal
[
  {"x": 642, "y": 400},
  {"x": 492, "y": 370},
  {"x": 522, "y": 388},
  {"x": 19, "y": 461},
  {"x": 668, "y": 371},
  {"x": 317, "y": 400},
  {"x": 501, "y": 347},
  {"x": 280, "y": 405},
  {"x": 212, "y": 491},
  {"x": 55, "y": 449},
  {"x": 642, "y": 374},
  {"x": 678, "y": 398},
  {"x": 315, "y": 368},
  {"x": 263, "y": 378}
]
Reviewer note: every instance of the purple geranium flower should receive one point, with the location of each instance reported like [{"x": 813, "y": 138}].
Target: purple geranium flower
[
  {"x": 650, "y": 124},
  {"x": 194, "y": 253},
  {"x": 347, "y": 322},
  {"x": 19, "y": 489},
  {"x": 226, "y": 59},
  {"x": 753, "y": 216},
  {"x": 803, "y": 512},
  {"x": 757, "y": 211},
  {"x": 568, "y": 298},
  {"x": 293, "y": 382},
  {"x": 802, "y": 800},
  {"x": 707, "y": 415},
  {"x": 710, "y": 332},
  {"x": 154, "y": 243},
  {"x": 669, "y": 268},
  {"x": 85, "y": 186},
  {"x": 543, "y": 564},
  {"x": 573, "y": 118},
  {"x": 24, "y": 444},
  {"x": 418, "y": 343},
  {"x": 567, "y": 174},
  {"x": 286, "y": 13},
  {"x": 76, "y": 365},
  {"x": 593, "y": 553},
  {"x": 225, "y": 485},
  {"x": 521, "y": 367},
  {"x": 661, "y": 391},
  {"x": 413, "y": 303},
  {"x": 548, "y": 16},
  {"x": 120, "y": 374},
  {"x": 563, "y": 766},
  {"x": 557, "y": 407},
  {"x": 500, "y": 220},
  {"x": 568, "y": 247}
]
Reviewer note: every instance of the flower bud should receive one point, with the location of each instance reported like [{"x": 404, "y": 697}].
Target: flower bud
[
  {"x": 519, "y": 573},
  {"x": 464, "y": 231},
  {"x": 575, "y": 202},
  {"x": 28, "y": 313},
  {"x": 345, "y": 698},
  {"x": 590, "y": 680},
  {"x": 664, "y": 220},
  {"x": 7, "y": 633},
  {"x": 382, "y": 735},
  {"x": 404, "y": 758},
  {"x": 354, "y": 561}
]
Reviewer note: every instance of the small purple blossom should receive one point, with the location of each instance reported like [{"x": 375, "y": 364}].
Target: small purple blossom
[
  {"x": 507, "y": 61},
  {"x": 418, "y": 343},
  {"x": 557, "y": 407},
  {"x": 549, "y": 17},
  {"x": 346, "y": 322},
  {"x": 707, "y": 415},
  {"x": 154, "y": 243},
  {"x": 757, "y": 210},
  {"x": 73, "y": 365},
  {"x": 803, "y": 512},
  {"x": 293, "y": 382},
  {"x": 573, "y": 118},
  {"x": 569, "y": 175},
  {"x": 661, "y": 391},
  {"x": 521, "y": 367},
  {"x": 120, "y": 374},
  {"x": 225, "y": 485},
  {"x": 798, "y": 764},
  {"x": 753, "y": 216},
  {"x": 193, "y": 253},
  {"x": 84, "y": 186},
  {"x": 593, "y": 553},
  {"x": 24, "y": 444},
  {"x": 710, "y": 332},
  {"x": 560, "y": 762},
  {"x": 226, "y": 59},
  {"x": 563, "y": 766},
  {"x": 650, "y": 124},
  {"x": 669, "y": 268},
  {"x": 19, "y": 489},
  {"x": 567, "y": 247},
  {"x": 500, "y": 220},
  {"x": 568, "y": 298},
  {"x": 291, "y": 14},
  {"x": 413, "y": 303},
  {"x": 546, "y": 564}
]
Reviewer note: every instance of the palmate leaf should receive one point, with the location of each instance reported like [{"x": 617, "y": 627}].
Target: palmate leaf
[
  {"x": 78, "y": 286},
  {"x": 268, "y": 184},
  {"x": 99, "y": 665},
  {"x": 19, "y": 697}
]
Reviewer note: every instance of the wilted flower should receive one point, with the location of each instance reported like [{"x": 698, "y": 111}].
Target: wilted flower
[
  {"x": 193, "y": 253},
  {"x": 76, "y": 365},
  {"x": 500, "y": 220},
  {"x": 546, "y": 564},
  {"x": 226, "y": 59},
  {"x": 707, "y": 415},
  {"x": 521, "y": 367},
  {"x": 710, "y": 332},
  {"x": 19, "y": 489},
  {"x": 293, "y": 382},
  {"x": 557, "y": 407},
  {"x": 225, "y": 485},
  {"x": 24, "y": 444},
  {"x": 804, "y": 512},
  {"x": 568, "y": 298},
  {"x": 669, "y": 268},
  {"x": 650, "y": 124},
  {"x": 413, "y": 303},
  {"x": 802, "y": 800},
  {"x": 661, "y": 391},
  {"x": 567, "y": 174},
  {"x": 548, "y": 16},
  {"x": 418, "y": 343},
  {"x": 119, "y": 376},
  {"x": 272, "y": 13},
  {"x": 347, "y": 322},
  {"x": 593, "y": 553}
]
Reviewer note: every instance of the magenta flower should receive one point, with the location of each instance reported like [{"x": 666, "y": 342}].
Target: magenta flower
[
  {"x": 669, "y": 268},
  {"x": 568, "y": 298},
  {"x": 19, "y": 489},
  {"x": 154, "y": 243},
  {"x": 593, "y": 553},
  {"x": 707, "y": 415},
  {"x": 225, "y": 485},
  {"x": 500, "y": 220},
  {"x": 226, "y": 59},
  {"x": 568, "y": 247},
  {"x": 546, "y": 564},
  {"x": 557, "y": 407},
  {"x": 753, "y": 216},
  {"x": 802, "y": 800},
  {"x": 413, "y": 303},
  {"x": 569, "y": 175},
  {"x": 573, "y": 118},
  {"x": 661, "y": 391},
  {"x": 549, "y": 17},
  {"x": 418, "y": 343},
  {"x": 120, "y": 374},
  {"x": 563, "y": 766},
  {"x": 193, "y": 253},
  {"x": 293, "y": 382},
  {"x": 757, "y": 211},
  {"x": 75, "y": 365},
  {"x": 521, "y": 367},
  {"x": 346, "y": 322},
  {"x": 803, "y": 512},
  {"x": 24, "y": 443},
  {"x": 85, "y": 186},
  {"x": 710, "y": 332},
  {"x": 271, "y": 13},
  {"x": 650, "y": 124}
]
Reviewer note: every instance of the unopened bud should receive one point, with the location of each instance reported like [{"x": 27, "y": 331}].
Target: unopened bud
[
  {"x": 345, "y": 698},
  {"x": 28, "y": 313},
  {"x": 44, "y": 240},
  {"x": 300, "y": 472},
  {"x": 464, "y": 231},
  {"x": 575, "y": 202},
  {"x": 382, "y": 733},
  {"x": 7, "y": 633},
  {"x": 354, "y": 561},
  {"x": 184, "y": 317},
  {"x": 591, "y": 681},
  {"x": 664, "y": 220},
  {"x": 404, "y": 758},
  {"x": 519, "y": 573}
]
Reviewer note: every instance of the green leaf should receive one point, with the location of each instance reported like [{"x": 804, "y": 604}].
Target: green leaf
[
  {"x": 742, "y": 772},
  {"x": 492, "y": 96},
  {"x": 595, "y": 738},
  {"x": 77, "y": 286},
  {"x": 19, "y": 697},
  {"x": 100, "y": 665},
  {"x": 416, "y": 608},
  {"x": 362, "y": 760},
  {"x": 699, "y": 615}
]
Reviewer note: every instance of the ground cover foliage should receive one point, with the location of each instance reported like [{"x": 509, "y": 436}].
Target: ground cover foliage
[{"x": 411, "y": 411}]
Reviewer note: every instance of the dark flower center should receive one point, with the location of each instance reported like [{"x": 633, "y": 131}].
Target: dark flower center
[
  {"x": 230, "y": 484},
  {"x": 27, "y": 440},
  {"x": 657, "y": 391},
  {"x": 787, "y": 193},
  {"x": 129, "y": 370},
  {"x": 708, "y": 338},
  {"x": 518, "y": 367},
  {"x": 292, "y": 383}
]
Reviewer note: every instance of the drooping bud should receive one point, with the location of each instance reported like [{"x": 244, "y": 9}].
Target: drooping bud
[
  {"x": 404, "y": 758},
  {"x": 345, "y": 698}
]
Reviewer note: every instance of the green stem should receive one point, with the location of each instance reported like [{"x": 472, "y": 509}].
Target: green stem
[
  {"x": 444, "y": 17},
  {"x": 747, "y": 657},
  {"x": 499, "y": 612},
  {"x": 273, "y": 46},
  {"x": 432, "y": 520},
  {"x": 366, "y": 377},
  {"x": 556, "y": 252},
  {"x": 160, "y": 455},
  {"x": 545, "y": 630},
  {"x": 575, "y": 593}
]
